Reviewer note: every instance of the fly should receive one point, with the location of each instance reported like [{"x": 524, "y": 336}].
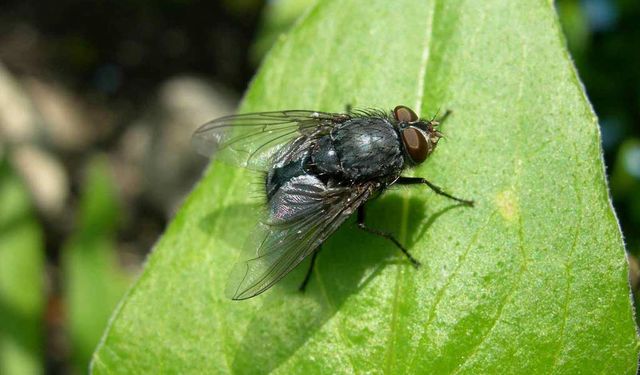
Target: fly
[{"x": 319, "y": 169}]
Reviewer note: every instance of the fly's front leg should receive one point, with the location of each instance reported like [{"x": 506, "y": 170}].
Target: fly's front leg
[
  {"x": 435, "y": 188},
  {"x": 386, "y": 235}
]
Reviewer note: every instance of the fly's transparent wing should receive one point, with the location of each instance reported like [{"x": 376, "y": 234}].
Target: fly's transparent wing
[
  {"x": 302, "y": 215},
  {"x": 251, "y": 139}
]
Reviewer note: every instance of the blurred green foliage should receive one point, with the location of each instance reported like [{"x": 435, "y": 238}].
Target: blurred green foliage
[
  {"x": 277, "y": 18},
  {"x": 604, "y": 41},
  {"x": 625, "y": 179},
  {"x": 22, "y": 297},
  {"x": 92, "y": 280}
]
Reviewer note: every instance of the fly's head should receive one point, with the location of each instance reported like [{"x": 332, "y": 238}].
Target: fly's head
[{"x": 419, "y": 137}]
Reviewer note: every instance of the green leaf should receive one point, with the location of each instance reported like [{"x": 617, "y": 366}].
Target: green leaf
[
  {"x": 531, "y": 280},
  {"x": 93, "y": 283},
  {"x": 22, "y": 296}
]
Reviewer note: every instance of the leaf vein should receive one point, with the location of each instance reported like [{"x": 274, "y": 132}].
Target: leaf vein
[
  {"x": 422, "y": 72},
  {"x": 440, "y": 293},
  {"x": 503, "y": 304},
  {"x": 338, "y": 328},
  {"x": 568, "y": 268}
]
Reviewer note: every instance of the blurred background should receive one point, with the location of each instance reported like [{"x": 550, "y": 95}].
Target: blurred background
[{"x": 98, "y": 100}]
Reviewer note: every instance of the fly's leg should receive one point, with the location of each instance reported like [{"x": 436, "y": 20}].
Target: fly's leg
[
  {"x": 386, "y": 235},
  {"x": 303, "y": 286},
  {"x": 347, "y": 108},
  {"x": 435, "y": 188}
]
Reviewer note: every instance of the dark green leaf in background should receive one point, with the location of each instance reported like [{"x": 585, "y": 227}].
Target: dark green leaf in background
[
  {"x": 93, "y": 282},
  {"x": 531, "y": 280},
  {"x": 22, "y": 298},
  {"x": 625, "y": 179},
  {"x": 278, "y": 17}
]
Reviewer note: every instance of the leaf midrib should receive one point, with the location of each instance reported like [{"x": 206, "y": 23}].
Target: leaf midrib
[{"x": 422, "y": 74}]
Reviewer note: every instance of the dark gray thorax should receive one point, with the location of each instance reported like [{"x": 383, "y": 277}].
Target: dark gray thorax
[{"x": 360, "y": 149}]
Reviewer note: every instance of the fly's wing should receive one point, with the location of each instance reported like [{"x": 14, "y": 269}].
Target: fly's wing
[
  {"x": 251, "y": 139},
  {"x": 302, "y": 214}
]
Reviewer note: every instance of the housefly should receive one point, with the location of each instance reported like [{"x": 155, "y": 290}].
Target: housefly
[{"x": 319, "y": 168}]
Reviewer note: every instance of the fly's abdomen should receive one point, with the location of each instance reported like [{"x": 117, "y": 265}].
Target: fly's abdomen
[{"x": 278, "y": 176}]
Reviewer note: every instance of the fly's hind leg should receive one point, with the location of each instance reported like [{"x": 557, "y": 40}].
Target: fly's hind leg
[
  {"x": 386, "y": 235},
  {"x": 303, "y": 286}
]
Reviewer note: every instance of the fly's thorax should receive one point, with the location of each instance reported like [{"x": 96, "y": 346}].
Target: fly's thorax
[{"x": 364, "y": 148}]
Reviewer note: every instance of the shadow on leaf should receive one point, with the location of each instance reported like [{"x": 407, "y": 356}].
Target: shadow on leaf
[{"x": 349, "y": 260}]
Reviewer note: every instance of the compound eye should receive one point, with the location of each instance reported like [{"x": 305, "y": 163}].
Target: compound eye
[
  {"x": 415, "y": 143},
  {"x": 404, "y": 114}
]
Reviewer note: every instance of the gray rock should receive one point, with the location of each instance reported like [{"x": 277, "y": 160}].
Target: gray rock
[
  {"x": 156, "y": 157},
  {"x": 45, "y": 178},
  {"x": 18, "y": 116},
  {"x": 64, "y": 123}
]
